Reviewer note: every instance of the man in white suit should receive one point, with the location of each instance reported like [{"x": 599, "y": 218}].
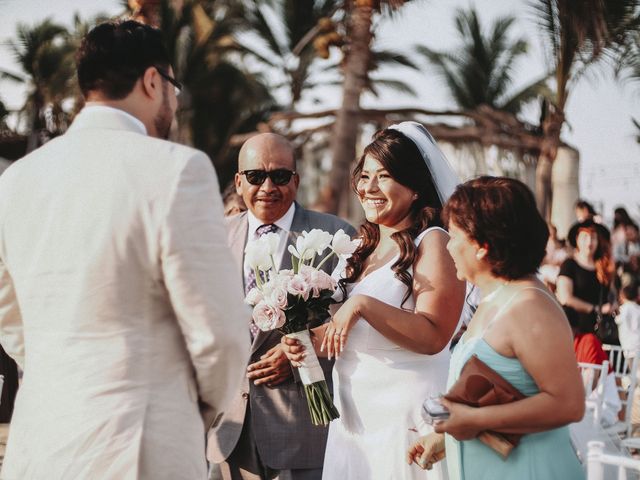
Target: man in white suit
[{"x": 118, "y": 295}]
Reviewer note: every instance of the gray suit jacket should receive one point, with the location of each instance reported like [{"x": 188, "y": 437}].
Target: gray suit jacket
[{"x": 279, "y": 416}]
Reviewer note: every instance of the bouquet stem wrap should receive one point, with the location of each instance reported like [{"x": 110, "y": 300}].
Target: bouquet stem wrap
[{"x": 319, "y": 401}]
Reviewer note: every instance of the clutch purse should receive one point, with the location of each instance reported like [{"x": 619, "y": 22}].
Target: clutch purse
[{"x": 481, "y": 386}]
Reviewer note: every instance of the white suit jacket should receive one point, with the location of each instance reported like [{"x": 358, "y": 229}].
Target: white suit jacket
[{"x": 120, "y": 300}]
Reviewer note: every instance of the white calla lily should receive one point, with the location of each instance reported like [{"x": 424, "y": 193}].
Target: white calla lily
[
  {"x": 342, "y": 244},
  {"x": 257, "y": 256},
  {"x": 317, "y": 240},
  {"x": 271, "y": 241}
]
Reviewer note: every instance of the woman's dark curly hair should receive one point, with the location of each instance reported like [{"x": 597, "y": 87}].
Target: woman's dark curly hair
[
  {"x": 403, "y": 161},
  {"x": 500, "y": 214}
]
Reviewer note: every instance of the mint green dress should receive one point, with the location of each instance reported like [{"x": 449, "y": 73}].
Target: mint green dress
[{"x": 539, "y": 456}]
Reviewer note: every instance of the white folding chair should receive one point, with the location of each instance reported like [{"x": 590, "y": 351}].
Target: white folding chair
[
  {"x": 598, "y": 460},
  {"x": 593, "y": 378},
  {"x": 625, "y": 370}
]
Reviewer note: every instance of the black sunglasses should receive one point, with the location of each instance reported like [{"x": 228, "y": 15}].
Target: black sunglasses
[
  {"x": 170, "y": 79},
  {"x": 280, "y": 176}
]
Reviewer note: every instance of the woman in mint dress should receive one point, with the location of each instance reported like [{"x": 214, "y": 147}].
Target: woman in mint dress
[{"x": 519, "y": 330}]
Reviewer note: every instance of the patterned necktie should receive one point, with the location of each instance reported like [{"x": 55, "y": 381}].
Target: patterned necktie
[{"x": 250, "y": 280}]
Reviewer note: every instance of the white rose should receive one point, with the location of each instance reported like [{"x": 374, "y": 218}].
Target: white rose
[
  {"x": 254, "y": 296},
  {"x": 342, "y": 243},
  {"x": 268, "y": 317}
]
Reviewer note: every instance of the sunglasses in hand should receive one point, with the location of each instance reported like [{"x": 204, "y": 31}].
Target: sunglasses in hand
[{"x": 279, "y": 176}]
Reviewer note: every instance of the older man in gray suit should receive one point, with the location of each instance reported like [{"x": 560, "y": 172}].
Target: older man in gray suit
[{"x": 269, "y": 430}]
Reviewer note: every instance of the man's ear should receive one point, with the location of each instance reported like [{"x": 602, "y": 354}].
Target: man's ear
[
  {"x": 151, "y": 83},
  {"x": 238, "y": 181}
]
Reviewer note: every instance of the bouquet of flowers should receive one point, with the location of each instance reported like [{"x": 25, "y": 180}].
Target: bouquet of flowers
[{"x": 289, "y": 300}]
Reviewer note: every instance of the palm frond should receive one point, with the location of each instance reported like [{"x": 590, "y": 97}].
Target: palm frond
[
  {"x": 637, "y": 125},
  {"x": 390, "y": 57},
  {"x": 478, "y": 70},
  {"x": 12, "y": 76},
  {"x": 392, "y": 84},
  {"x": 533, "y": 91}
]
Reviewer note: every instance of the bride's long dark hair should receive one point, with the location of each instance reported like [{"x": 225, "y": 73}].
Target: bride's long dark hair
[{"x": 403, "y": 161}]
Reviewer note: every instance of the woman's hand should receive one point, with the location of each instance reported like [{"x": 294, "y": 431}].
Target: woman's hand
[
  {"x": 337, "y": 332},
  {"x": 427, "y": 451},
  {"x": 461, "y": 423}
]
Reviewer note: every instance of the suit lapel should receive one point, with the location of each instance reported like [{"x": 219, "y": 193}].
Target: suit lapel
[
  {"x": 238, "y": 226},
  {"x": 300, "y": 222}
]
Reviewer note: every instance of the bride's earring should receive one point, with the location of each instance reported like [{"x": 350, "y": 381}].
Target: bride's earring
[{"x": 480, "y": 254}]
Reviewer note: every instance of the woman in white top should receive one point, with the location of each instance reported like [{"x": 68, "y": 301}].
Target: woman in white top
[{"x": 390, "y": 336}]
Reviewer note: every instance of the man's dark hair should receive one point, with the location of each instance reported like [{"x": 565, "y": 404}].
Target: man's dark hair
[
  {"x": 630, "y": 292},
  {"x": 114, "y": 55}
]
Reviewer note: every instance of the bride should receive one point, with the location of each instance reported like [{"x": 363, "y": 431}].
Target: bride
[{"x": 403, "y": 301}]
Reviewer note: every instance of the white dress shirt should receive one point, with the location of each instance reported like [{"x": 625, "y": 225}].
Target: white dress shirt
[{"x": 284, "y": 229}]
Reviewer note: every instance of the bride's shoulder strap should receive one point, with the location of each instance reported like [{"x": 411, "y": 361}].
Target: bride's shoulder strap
[{"x": 424, "y": 233}]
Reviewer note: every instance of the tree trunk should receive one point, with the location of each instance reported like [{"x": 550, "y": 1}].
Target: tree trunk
[
  {"x": 345, "y": 130},
  {"x": 551, "y": 127}
]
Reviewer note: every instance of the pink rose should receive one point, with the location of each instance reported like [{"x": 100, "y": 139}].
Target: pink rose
[
  {"x": 326, "y": 281},
  {"x": 298, "y": 286},
  {"x": 268, "y": 317},
  {"x": 278, "y": 297}
]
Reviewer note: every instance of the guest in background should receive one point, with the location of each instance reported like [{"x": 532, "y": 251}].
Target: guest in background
[
  {"x": 232, "y": 201},
  {"x": 584, "y": 211},
  {"x": 628, "y": 320},
  {"x": 627, "y": 251},
  {"x": 9, "y": 370},
  {"x": 585, "y": 279},
  {"x": 621, "y": 219},
  {"x": 556, "y": 253}
]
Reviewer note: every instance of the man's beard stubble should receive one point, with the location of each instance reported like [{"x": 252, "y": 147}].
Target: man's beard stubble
[{"x": 164, "y": 117}]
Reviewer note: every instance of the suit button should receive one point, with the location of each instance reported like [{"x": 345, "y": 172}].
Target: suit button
[{"x": 245, "y": 395}]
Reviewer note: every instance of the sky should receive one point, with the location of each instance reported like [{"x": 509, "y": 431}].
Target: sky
[{"x": 598, "y": 113}]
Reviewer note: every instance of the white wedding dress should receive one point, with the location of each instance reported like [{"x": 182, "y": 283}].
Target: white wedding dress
[{"x": 379, "y": 388}]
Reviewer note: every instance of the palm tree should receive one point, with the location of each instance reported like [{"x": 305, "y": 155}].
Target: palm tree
[
  {"x": 286, "y": 37},
  {"x": 285, "y": 40},
  {"x": 629, "y": 69},
  {"x": 578, "y": 34},
  {"x": 356, "y": 67},
  {"x": 218, "y": 98},
  {"x": 478, "y": 71},
  {"x": 45, "y": 57}
]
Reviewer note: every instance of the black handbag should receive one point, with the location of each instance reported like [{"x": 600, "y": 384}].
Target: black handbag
[{"x": 606, "y": 328}]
